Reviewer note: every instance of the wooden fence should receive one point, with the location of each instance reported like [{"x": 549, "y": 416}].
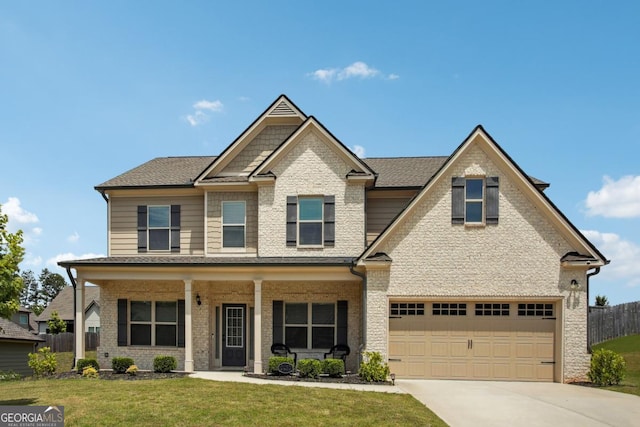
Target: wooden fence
[
  {"x": 615, "y": 321},
  {"x": 60, "y": 343}
]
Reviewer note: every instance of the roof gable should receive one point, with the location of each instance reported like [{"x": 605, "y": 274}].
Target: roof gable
[
  {"x": 480, "y": 138},
  {"x": 281, "y": 112},
  {"x": 63, "y": 303}
]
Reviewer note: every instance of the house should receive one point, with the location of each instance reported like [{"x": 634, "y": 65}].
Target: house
[
  {"x": 450, "y": 267},
  {"x": 64, "y": 304},
  {"x": 24, "y": 317},
  {"x": 16, "y": 342}
]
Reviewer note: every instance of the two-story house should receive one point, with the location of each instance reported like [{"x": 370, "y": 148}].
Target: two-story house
[{"x": 450, "y": 267}]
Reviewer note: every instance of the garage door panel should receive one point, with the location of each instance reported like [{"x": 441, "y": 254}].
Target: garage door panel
[{"x": 417, "y": 349}]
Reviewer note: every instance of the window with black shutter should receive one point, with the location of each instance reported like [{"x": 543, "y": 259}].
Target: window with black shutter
[{"x": 475, "y": 201}]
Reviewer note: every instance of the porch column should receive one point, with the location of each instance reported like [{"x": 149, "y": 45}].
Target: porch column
[
  {"x": 257, "y": 325},
  {"x": 188, "y": 339},
  {"x": 78, "y": 324}
]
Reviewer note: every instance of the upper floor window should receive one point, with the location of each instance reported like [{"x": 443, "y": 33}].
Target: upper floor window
[
  {"x": 24, "y": 319},
  {"x": 233, "y": 224},
  {"x": 311, "y": 221},
  {"x": 474, "y": 200},
  {"x": 159, "y": 228}
]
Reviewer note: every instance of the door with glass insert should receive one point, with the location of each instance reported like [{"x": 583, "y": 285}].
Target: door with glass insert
[{"x": 234, "y": 332}]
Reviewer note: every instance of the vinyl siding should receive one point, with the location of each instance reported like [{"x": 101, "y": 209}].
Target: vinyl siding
[
  {"x": 214, "y": 218},
  {"x": 382, "y": 210}
]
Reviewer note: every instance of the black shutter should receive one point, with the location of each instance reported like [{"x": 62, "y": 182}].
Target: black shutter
[
  {"x": 122, "y": 322},
  {"x": 292, "y": 220},
  {"x": 181, "y": 333},
  {"x": 175, "y": 228},
  {"x": 493, "y": 200},
  {"x": 278, "y": 322},
  {"x": 457, "y": 200},
  {"x": 341, "y": 328},
  {"x": 142, "y": 229},
  {"x": 329, "y": 220}
]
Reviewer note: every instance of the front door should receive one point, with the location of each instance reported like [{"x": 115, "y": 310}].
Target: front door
[{"x": 233, "y": 335}]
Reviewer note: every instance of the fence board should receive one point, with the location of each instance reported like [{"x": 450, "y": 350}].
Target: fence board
[
  {"x": 64, "y": 342},
  {"x": 616, "y": 321}
]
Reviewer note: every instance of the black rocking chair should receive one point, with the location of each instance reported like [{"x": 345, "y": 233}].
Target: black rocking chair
[
  {"x": 283, "y": 350},
  {"x": 339, "y": 351}
]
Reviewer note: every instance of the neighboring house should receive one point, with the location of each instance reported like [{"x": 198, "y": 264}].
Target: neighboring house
[
  {"x": 25, "y": 318},
  {"x": 63, "y": 303},
  {"x": 450, "y": 267},
  {"x": 15, "y": 345}
]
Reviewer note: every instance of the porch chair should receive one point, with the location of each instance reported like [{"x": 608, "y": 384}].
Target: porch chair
[
  {"x": 279, "y": 349},
  {"x": 339, "y": 351}
]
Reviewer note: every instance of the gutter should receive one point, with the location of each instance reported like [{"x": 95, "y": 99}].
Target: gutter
[
  {"x": 363, "y": 276},
  {"x": 75, "y": 321},
  {"x": 596, "y": 271}
]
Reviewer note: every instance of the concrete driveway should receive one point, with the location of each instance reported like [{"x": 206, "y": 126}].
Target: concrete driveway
[{"x": 495, "y": 404}]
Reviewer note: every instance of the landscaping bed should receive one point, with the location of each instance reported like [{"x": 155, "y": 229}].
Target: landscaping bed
[
  {"x": 110, "y": 375},
  {"x": 344, "y": 379}
]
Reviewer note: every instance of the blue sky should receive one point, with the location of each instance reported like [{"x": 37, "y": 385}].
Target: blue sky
[{"x": 89, "y": 90}]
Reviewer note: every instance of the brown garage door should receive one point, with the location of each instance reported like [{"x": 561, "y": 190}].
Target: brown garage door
[{"x": 472, "y": 340}]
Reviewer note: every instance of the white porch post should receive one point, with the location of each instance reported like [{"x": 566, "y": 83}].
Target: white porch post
[
  {"x": 78, "y": 325},
  {"x": 188, "y": 341},
  {"x": 257, "y": 322}
]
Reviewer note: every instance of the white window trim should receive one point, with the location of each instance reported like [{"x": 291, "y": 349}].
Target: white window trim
[
  {"x": 153, "y": 324},
  {"x": 222, "y": 225},
  {"x": 483, "y": 200},
  {"x": 308, "y": 221},
  {"x": 149, "y": 228}
]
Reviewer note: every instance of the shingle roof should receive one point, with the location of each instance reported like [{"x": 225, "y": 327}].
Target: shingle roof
[
  {"x": 11, "y": 331},
  {"x": 63, "y": 303},
  {"x": 404, "y": 171},
  {"x": 203, "y": 261}
]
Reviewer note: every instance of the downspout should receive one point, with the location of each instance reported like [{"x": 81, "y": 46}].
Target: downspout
[
  {"x": 596, "y": 271},
  {"x": 363, "y": 276},
  {"x": 75, "y": 321}
]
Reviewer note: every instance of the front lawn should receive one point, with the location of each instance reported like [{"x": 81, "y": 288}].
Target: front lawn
[
  {"x": 195, "y": 402},
  {"x": 629, "y": 349}
]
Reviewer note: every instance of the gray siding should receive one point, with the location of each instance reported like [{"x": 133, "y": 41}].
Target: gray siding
[{"x": 14, "y": 357}]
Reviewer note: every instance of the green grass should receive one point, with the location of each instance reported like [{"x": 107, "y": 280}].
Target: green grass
[
  {"x": 629, "y": 349},
  {"x": 195, "y": 402}
]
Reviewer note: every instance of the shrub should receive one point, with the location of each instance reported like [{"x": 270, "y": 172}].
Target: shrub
[
  {"x": 120, "y": 364},
  {"x": 43, "y": 362},
  {"x": 90, "y": 372},
  {"x": 275, "y": 361},
  {"x": 333, "y": 367},
  {"x": 132, "y": 370},
  {"x": 9, "y": 376},
  {"x": 372, "y": 368},
  {"x": 84, "y": 363},
  {"x": 164, "y": 364},
  {"x": 607, "y": 367},
  {"x": 309, "y": 368}
]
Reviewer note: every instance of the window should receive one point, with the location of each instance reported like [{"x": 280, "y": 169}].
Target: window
[
  {"x": 449, "y": 309},
  {"x": 24, "y": 319},
  {"x": 309, "y": 325},
  {"x": 407, "y": 309},
  {"x": 94, "y": 329},
  {"x": 538, "y": 310},
  {"x": 159, "y": 228},
  {"x": 311, "y": 221},
  {"x": 492, "y": 309},
  {"x": 233, "y": 224},
  {"x": 475, "y": 200},
  {"x": 153, "y": 323}
]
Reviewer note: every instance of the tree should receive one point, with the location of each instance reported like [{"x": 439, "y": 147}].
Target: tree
[
  {"x": 601, "y": 301},
  {"x": 30, "y": 297},
  {"x": 50, "y": 285},
  {"x": 56, "y": 324},
  {"x": 11, "y": 255}
]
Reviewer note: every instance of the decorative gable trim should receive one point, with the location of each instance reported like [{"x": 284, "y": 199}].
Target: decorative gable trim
[{"x": 482, "y": 138}]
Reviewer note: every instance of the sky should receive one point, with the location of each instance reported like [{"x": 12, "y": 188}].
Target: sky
[{"x": 89, "y": 90}]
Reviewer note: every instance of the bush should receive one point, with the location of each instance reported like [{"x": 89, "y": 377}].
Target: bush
[
  {"x": 90, "y": 372},
  {"x": 164, "y": 364},
  {"x": 333, "y": 367},
  {"x": 607, "y": 367},
  {"x": 372, "y": 369},
  {"x": 309, "y": 368},
  {"x": 275, "y": 361},
  {"x": 43, "y": 362},
  {"x": 9, "y": 376},
  {"x": 132, "y": 370},
  {"x": 84, "y": 363},
  {"x": 120, "y": 364}
]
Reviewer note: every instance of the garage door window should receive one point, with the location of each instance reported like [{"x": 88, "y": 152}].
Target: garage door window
[
  {"x": 407, "y": 309},
  {"x": 537, "y": 310},
  {"x": 449, "y": 309},
  {"x": 492, "y": 309}
]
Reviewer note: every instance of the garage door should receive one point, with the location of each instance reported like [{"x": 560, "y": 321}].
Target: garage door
[{"x": 472, "y": 340}]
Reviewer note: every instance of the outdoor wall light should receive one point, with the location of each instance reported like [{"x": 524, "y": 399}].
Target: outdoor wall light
[
  {"x": 198, "y": 300},
  {"x": 575, "y": 285},
  {"x": 106, "y": 354}
]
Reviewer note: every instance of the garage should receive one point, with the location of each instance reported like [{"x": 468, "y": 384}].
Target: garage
[{"x": 479, "y": 340}]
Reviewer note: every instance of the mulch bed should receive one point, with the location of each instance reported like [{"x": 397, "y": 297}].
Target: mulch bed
[
  {"x": 110, "y": 375},
  {"x": 345, "y": 379}
]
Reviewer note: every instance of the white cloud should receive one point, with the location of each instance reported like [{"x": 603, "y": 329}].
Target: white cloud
[
  {"x": 624, "y": 256},
  {"x": 199, "y": 116},
  {"x": 358, "y": 69},
  {"x": 208, "y": 105},
  {"x": 358, "y": 150},
  {"x": 32, "y": 261},
  {"x": 16, "y": 213},
  {"x": 74, "y": 237},
  {"x": 71, "y": 256},
  {"x": 616, "y": 199}
]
